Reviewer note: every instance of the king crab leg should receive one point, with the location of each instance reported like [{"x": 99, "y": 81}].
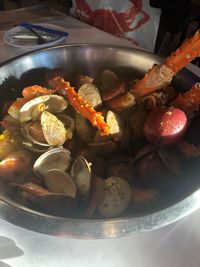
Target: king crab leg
[
  {"x": 188, "y": 101},
  {"x": 80, "y": 104},
  {"x": 161, "y": 75}
]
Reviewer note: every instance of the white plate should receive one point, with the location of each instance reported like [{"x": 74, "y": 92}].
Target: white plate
[{"x": 10, "y": 40}]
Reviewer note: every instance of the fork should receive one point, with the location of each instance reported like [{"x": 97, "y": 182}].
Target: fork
[{"x": 40, "y": 39}]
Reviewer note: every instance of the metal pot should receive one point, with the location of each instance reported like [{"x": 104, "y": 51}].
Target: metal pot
[{"x": 90, "y": 59}]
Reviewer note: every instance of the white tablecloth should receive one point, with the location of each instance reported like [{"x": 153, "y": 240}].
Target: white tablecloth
[{"x": 176, "y": 245}]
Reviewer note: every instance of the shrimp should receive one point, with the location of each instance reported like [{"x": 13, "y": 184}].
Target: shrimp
[
  {"x": 28, "y": 93},
  {"x": 80, "y": 104},
  {"x": 31, "y": 92},
  {"x": 161, "y": 75},
  {"x": 9, "y": 142},
  {"x": 15, "y": 165},
  {"x": 33, "y": 189},
  {"x": 13, "y": 110}
]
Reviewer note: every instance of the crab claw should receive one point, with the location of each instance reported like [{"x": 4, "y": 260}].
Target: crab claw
[{"x": 161, "y": 75}]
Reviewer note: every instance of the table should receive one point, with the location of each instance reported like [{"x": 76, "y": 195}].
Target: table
[{"x": 176, "y": 245}]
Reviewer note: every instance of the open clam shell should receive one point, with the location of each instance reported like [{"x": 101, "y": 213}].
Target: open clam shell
[
  {"x": 143, "y": 151},
  {"x": 58, "y": 181},
  {"x": 88, "y": 154},
  {"x": 115, "y": 91},
  {"x": 84, "y": 128},
  {"x": 32, "y": 131},
  {"x": 81, "y": 173},
  {"x": 69, "y": 124},
  {"x": 97, "y": 161},
  {"x": 81, "y": 79},
  {"x": 66, "y": 120},
  {"x": 91, "y": 93},
  {"x": 98, "y": 138},
  {"x": 116, "y": 125},
  {"x": 36, "y": 148},
  {"x": 56, "y": 158},
  {"x": 53, "y": 129},
  {"x": 33, "y": 108},
  {"x": 171, "y": 160},
  {"x": 108, "y": 79}
]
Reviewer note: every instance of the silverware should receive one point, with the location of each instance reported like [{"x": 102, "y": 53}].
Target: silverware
[
  {"x": 40, "y": 39},
  {"x": 30, "y": 37},
  {"x": 44, "y": 29}
]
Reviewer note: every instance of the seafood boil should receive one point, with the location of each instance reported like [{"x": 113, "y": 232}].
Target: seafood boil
[{"x": 102, "y": 146}]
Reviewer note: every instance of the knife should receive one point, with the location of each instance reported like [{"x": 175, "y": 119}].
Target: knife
[
  {"x": 30, "y": 38},
  {"x": 44, "y": 29},
  {"x": 25, "y": 36}
]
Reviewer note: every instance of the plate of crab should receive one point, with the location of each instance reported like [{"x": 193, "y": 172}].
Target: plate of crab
[{"x": 99, "y": 141}]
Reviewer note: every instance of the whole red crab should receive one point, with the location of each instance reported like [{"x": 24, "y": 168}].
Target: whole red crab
[{"x": 111, "y": 21}]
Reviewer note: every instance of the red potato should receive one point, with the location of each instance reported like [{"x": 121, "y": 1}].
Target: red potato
[{"x": 165, "y": 126}]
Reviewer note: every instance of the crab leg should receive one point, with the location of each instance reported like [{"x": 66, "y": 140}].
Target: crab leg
[
  {"x": 80, "y": 104},
  {"x": 188, "y": 101},
  {"x": 161, "y": 75}
]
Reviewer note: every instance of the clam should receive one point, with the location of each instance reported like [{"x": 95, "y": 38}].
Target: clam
[
  {"x": 171, "y": 160},
  {"x": 32, "y": 109},
  {"x": 91, "y": 93},
  {"x": 84, "y": 128},
  {"x": 32, "y": 131},
  {"x": 116, "y": 125},
  {"x": 98, "y": 138},
  {"x": 35, "y": 147},
  {"x": 88, "y": 154},
  {"x": 109, "y": 143},
  {"x": 81, "y": 173},
  {"x": 81, "y": 79},
  {"x": 112, "y": 92},
  {"x": 117, "y": 196},
  {"x": 143, "y": 151},
  {"x": 108, "y": 79},
  {"x": 53, "y": 129},
  {"x": 69, "y": 124},
  {"x": 58, "y": 181},
  {"x": 66, "y": 120},
  {"x": 44, "y": 200},
  {"x": 56, "y": 158},
  {"x": 97, "y": 161}
]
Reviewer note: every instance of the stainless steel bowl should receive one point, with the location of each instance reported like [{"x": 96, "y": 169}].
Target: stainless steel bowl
[{"x": 90, "y": 59}]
